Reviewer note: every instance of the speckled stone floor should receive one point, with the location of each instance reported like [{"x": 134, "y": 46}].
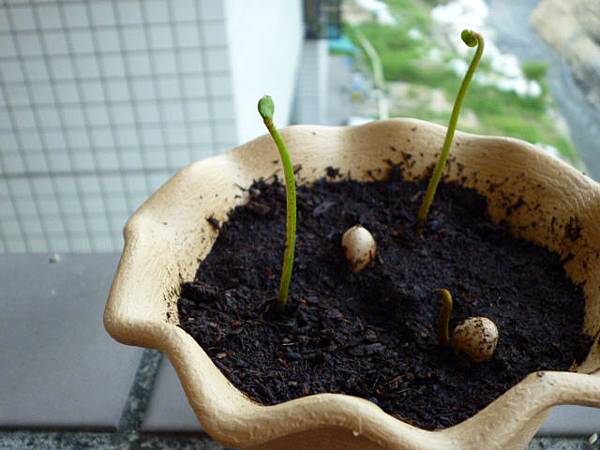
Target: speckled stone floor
[{"x": 129, "y": 436}]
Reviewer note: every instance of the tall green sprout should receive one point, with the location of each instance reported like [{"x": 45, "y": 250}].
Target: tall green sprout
[
  {"x": 472, "y": 39},
  {"x": 266, "y": 109}
]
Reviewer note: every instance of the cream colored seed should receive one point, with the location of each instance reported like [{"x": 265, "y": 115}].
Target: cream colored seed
[
  {"x": 476, "y": 338},
  {"x": 359, "y": 247}
]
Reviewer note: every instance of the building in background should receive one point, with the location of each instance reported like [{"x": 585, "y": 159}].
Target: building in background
[
  {"x": 323, "y": 22},
  {"x": 102, "y": 101}
]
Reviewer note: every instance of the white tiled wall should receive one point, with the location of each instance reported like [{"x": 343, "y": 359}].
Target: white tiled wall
[
  {"x": 270, "y": 65},
  {"x": 103, "y": 100}
]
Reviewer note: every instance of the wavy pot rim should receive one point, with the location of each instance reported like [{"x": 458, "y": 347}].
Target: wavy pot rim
[{"x": 167, "y": 236}]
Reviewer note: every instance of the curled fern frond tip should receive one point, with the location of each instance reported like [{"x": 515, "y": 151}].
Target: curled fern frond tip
[{"x": 469, "y": 37}]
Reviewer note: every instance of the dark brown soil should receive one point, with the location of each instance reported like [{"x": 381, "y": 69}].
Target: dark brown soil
[{"x": 372, "y": 334}]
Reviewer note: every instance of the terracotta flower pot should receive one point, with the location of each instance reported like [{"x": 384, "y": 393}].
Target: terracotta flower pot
[{"x": 169, "y": 234}]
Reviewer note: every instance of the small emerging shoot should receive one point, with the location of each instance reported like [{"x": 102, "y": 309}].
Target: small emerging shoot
[
  {"x": 471, "y": 39},
  {"x": 266, "y": 109},
  {"x": 444, "y": 318},
  {"x": 359, "y": 247},
  {"x": 476, "y": 337}
]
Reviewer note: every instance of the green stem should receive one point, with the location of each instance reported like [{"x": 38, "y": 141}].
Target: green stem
[
  {"x": 444, "y": 318},
  {"x": 470, "y": 38},
  {"x": 266, "y": 109}
]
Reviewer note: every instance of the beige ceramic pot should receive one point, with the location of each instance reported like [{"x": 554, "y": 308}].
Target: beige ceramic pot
[{"x": 169, "y": 234}]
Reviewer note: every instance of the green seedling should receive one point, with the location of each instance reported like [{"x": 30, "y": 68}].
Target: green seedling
[
  {"x": 266, "y": 109},
  {"x": 472, "y": 39}
]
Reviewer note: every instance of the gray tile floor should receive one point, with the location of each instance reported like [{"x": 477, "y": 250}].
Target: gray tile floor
[
  {"x": 65, "y": 384},
  {"x": 59, "y": 369},
  {"x": 127, "y": 435}
]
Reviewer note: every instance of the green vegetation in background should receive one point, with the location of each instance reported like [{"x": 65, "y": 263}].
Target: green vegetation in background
[
  {"x": 498, "y": 112},
  {"x": 535, "y": 70}
]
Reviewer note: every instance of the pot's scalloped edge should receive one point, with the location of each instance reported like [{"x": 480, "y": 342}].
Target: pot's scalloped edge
[{"x": 508, "y": 422}]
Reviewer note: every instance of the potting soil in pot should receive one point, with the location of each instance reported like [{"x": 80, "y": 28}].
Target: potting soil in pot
[{"x": 373, "y": 334}]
